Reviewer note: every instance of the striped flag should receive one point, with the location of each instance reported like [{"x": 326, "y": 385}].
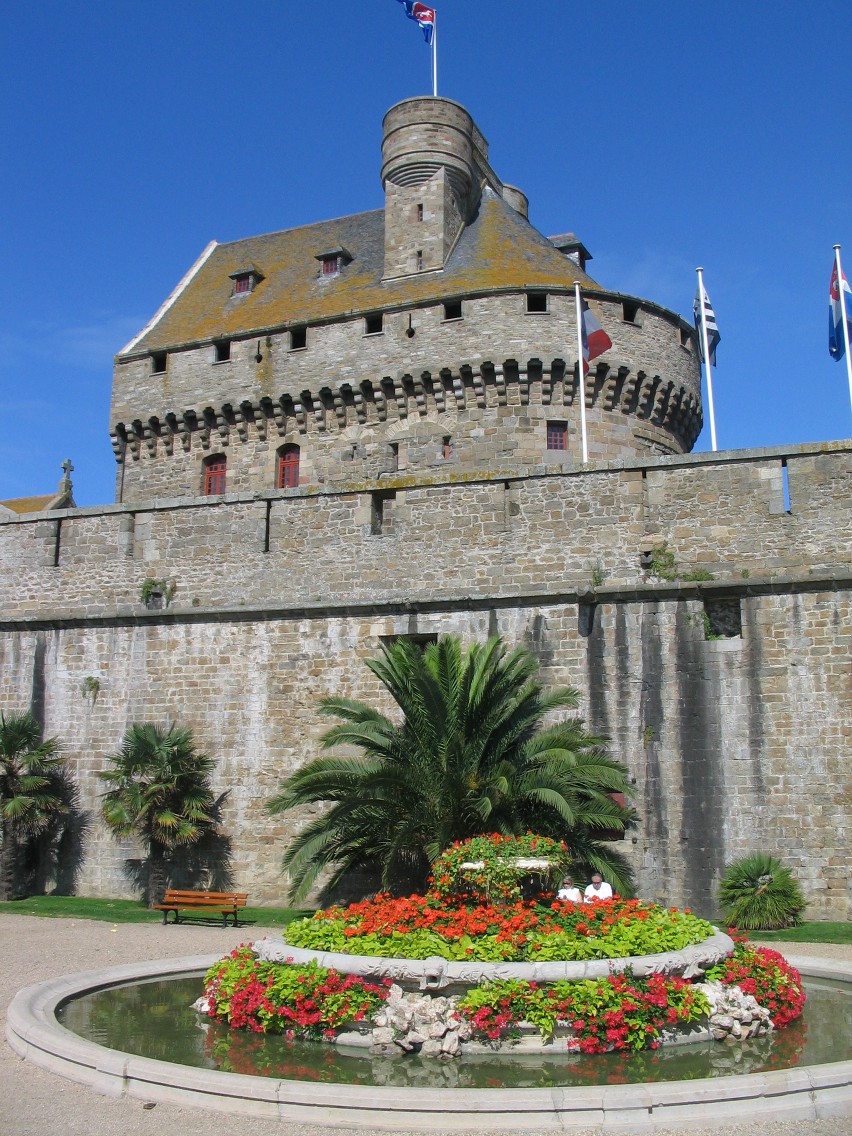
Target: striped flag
[
  {"x": 839, "y": 308},
  {"x": 595, "y": 339},
  {"x": 713, "y": 335}
]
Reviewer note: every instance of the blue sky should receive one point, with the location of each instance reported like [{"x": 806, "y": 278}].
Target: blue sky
[{"x": 666, "y": 135}]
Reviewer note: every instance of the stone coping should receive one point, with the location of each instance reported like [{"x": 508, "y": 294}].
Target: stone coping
[
  {"x": 805, "y": 1093},
  {"x": 438, "y": 973}
]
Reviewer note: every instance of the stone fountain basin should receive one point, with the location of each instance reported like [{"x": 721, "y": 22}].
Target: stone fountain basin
[
  {"x": 804, "y": 1093},
  {"x": 457, "y": 977}
]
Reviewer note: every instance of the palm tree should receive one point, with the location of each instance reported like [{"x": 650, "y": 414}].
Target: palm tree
[
  {"x": 33, "y": 792},
  {"x": 159, "y": 791},
  {"x": 471, "y": 755}
]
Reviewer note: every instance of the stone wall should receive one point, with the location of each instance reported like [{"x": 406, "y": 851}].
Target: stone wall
[
  {"x": 733, "y": 744},
  {"x": 350, "y": 385}
]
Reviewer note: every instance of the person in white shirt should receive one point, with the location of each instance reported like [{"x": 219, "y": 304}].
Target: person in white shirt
[
  {"x": 598, "y": 888},
  {"x": 568, "y": 892}
]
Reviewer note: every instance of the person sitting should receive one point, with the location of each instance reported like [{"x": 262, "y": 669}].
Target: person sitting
[
  {"x": 598, "y": 888},
  {"x": 568, "y": 892}
]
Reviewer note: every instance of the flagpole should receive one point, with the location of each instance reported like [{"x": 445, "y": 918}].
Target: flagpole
[
  {"x": 843, "y": 320},
  {"x": 434, "y": 54},
  {"x": 581, "y": 373},
  {"x": 707, "y": 366}
]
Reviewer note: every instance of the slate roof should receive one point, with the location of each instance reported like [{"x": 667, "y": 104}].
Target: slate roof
[{"x": 498, "y": 249}]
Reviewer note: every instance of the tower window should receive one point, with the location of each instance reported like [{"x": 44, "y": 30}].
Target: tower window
[
  {"x": 215, "y": 473},
  {"x": 381, "y": 512},
  {"x": 630, "y": 312},
  {"x": 418, "y": 257},
  {"x": 373, "y": 324},
  {"x": 298, "y": 338},
  {"x": 222, "y": 351},
  {"x": 394, "y": 454},
  {"x": 420, "y": 211},
  {"x": 446, "y": 447},
  {"x": 536, "y": 301},
  {"x": 159, "y": 360},
  {"x": 287, "y": 476},
  {"x": 557, "y": 435},
  {"x": 453, "y": 310}
]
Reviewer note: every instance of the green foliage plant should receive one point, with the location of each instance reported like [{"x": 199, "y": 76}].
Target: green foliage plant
[
  {"x": 758, "y": 893},
  {"x": 34, "y": 790},
  {"x": 301, "y": 1001},
  {"x": 152, "y": 586},
  {"x": 474, "y": 749},
  {"x": 620, "y": 1012},
  {"x": 158, "y": 789}
]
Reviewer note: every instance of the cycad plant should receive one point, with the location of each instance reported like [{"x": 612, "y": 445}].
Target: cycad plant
[
  {"x": 33, "y": 790},
  {"x": 159, "y": 791},
  {"x": 469, "y": 753},
  {"x": 758, "y": 894}
]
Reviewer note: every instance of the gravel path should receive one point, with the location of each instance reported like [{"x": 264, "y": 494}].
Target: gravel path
[{"x": 37, "y": 1103}]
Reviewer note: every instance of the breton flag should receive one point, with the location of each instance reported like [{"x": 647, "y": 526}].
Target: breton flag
[
  {"x": 595, "y": 339},
  {"x": 713, "y": 335},
  {"x": 839, "y": 306},
  {"x": 423, "y": 15}
]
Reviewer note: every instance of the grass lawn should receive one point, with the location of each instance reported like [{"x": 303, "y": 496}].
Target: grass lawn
[
  {"x": 128, "y": 910},
  {"x": 133, "y": 911},
  {"x": 807, "y": 933}
]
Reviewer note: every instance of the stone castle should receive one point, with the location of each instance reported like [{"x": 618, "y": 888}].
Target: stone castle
[{"x": 370, "y": 427}]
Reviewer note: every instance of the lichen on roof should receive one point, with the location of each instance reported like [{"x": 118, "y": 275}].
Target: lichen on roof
[{"x": 498, "y": 249}]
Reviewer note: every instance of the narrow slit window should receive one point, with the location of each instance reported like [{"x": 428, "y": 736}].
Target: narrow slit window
[
  {"x": 381, "y": 513},
  {"x": 418, "y": 259},
  {"x": 419, "y": 213},
  {"x": 446, "y": 447},
  {"x": 785, "y": 479}
]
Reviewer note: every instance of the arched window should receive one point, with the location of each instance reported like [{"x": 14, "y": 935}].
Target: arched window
[
  {"x": 215, "y": 471},
  {"x": 288, "y": 468}
]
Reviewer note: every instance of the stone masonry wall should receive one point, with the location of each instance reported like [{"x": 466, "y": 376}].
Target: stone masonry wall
[
  {"x": 734, "y": 743},
  {"x": 646, "y": 397}
]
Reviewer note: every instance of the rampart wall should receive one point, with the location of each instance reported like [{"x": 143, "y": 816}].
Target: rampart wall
[{"x": 733, "y": 743}]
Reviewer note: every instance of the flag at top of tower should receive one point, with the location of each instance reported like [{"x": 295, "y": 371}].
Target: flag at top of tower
[
  {"x": 839, "y": 305},
  {"x": 424, "y": 16},
  {"x": 713, "y": 335},
  {"x": 595, "y": 339}
]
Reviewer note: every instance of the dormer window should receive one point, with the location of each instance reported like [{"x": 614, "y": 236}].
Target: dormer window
[
  {"x": 332, "y": 261},
  {"x": 245, "y": 280}
]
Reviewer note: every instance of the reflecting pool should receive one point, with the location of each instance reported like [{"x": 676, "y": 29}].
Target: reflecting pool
[{"x": 154, "y": 1019}]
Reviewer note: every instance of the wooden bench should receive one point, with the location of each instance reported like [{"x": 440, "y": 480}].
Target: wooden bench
[{"x": 223, "y": 903}]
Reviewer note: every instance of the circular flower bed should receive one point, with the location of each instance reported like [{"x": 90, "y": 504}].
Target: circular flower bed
[
  {"x": 474, "y": 912},
  {"x": 420, "y": 927}
]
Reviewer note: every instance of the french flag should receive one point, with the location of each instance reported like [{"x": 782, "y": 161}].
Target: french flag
[
  {"x": 595, "y": 339},
  {"x": 423, "y": 14},
  {"x": 839, "y": 306}
]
